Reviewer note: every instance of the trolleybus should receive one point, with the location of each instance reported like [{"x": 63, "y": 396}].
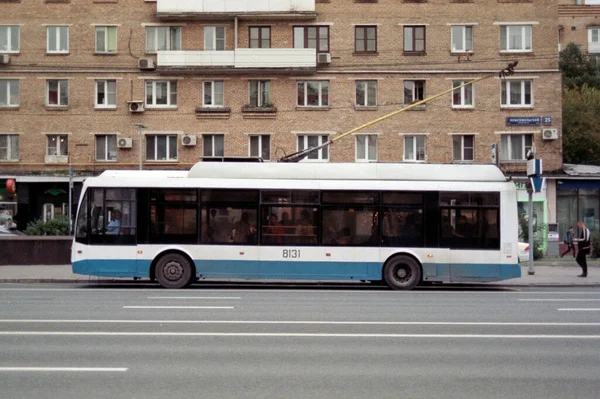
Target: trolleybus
[{"x": 402, "y": 224}]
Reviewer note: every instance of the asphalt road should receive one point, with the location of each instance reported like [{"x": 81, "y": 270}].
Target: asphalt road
[{"x": 313, "y": 342}]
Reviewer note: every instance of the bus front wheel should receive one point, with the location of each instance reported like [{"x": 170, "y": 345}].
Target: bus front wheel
[
  {"x": 402, "y": 272},
  {"x": 173, "y": 271}
]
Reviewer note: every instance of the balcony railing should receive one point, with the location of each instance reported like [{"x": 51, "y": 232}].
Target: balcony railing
[
  {"x": 593, "y": 47},
  {"x": 234, "y": 6},
  {"x": 243, "y": 59}
]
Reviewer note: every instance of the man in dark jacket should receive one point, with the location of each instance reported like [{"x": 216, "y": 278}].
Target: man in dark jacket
[{"x": 583, "y": 243}]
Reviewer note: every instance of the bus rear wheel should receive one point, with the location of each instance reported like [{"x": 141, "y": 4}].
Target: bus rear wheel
[
  {"x": 173, "y": 271},
  {"x": 402, "y": 272}
]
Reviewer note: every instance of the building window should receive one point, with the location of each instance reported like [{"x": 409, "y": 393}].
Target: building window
[
  {"x": 213, "y": 93},
  {"x": 463, "y": 96},
  {"x": 365, "y": 39},
  {"x": 57, "y": 39},
  {"x": 9, "y": 93},
  {"x": 57, "y": 145},
  {"x": 163, "y": 38},
  {"x": 9, "y": 147},
  {"x": 161, "y": 147},
  {"x": 517, "y": 93},
  {"x": 260, "y": 93},
  {"x": 260, "y": 146},
  {"x": 57, "y": 93},
  {"x": 316, "y": 37},
  {"x": 106, "y": 147},
  {"x": 366, "y": 148},
  {"x": 106, "y": 94},
  {"x": 463, "y": 148},
  {"x": 414, "y": 90},
  {"x": 414, "y": 148},
  {"x": 161, "y": 94},
  {"x": 414, "y": 39},
  {"x": 515, "y": 38},
  {"x": 462, "y": 38},
  {"x": 9, "y": 39},
  {"x": 515, "y": 146},
  {"x": 313, "y": 93},
  {"x": 260, "y": 37},
  {"x": 309, "y": 141},
  {"x": 213, "y": 145},
  {"x": 214, "y": 38},
  {"x": 366, "y": 93},
  {"x": 106, "y": 39}
]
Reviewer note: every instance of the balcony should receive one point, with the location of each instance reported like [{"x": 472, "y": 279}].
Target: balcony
[
  {"x": 593, "y": 47},
  {"x": 292, "y": 60},
  {"x": 228, "y": 9}
]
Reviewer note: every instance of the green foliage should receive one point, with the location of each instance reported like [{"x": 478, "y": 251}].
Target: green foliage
[
  {"x": 59, "y": 226},
  {"x": 596, "y": 244},
  {"x": 581, "y": 125},
  {"x": 538, "y": 253},
  {"x": 578, "y": 69}
]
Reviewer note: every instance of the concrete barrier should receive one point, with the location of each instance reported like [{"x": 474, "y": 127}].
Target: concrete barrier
[{"x": 35, "y": 250}]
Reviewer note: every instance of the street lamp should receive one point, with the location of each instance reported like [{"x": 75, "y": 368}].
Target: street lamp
[{"x": 140, "y": 126}]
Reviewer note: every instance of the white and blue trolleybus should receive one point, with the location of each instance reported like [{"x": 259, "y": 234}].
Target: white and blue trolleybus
[{"x": 403, "y": 224}]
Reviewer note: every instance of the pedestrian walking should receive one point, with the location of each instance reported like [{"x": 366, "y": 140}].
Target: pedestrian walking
[
  {"x": 583, "y": 244},
  {"x": 568, "y": 240}
]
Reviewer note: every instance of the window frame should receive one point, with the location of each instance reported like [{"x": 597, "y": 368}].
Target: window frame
[
  {"x": 60, "y": 31},
  {"x": 415, "y": 148},
  {"x": 212, "y": 137},
  {"x": 107, "y": 45},
  {"x": 260, "y": 41},
  {"x": 414, "y": 40},
  {"x": 365, "y": 90},
  {"x": 414, "y": 91},
  {"x": 506, "y": 91},
  {"x": 12, "y": 145},
  {"x": 61, "y": 149},
  {"x": 305, "y": 37},
  {"x": 106, "y": 145},
  {"x": 463, "y": 148},
  {"x": 173, "y": 36},
  {"x": 367, "y": 143},
  {"x": 508, "y": 156},
  {"x": 323, "y": 86},
  {"x": 214, "y": 84},
  {"x": 62, "y": 85},
  {"x": 526, "y": 33},
  {"x": 10, "y": 39},
  {"x": 9, "y": 94},
  {"x": 107, "y": 94},
  {"x": 365, "y": 41},
  {"x": 467, "y": 35},
  {"x": 260, "y": 138},
  {"x": 462, "y": 94},
  {"x": 171, "y": 145},
  {"x": 217, "y": 42},
  {"x": 321, "y": 139},
  {"x": 171, "y": 95},
  {"x": 263, "y": 89}
]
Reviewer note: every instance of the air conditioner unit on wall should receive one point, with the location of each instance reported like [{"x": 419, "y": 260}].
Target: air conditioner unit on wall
[
  {"x": 324, "y": 58},
  {"x": 146, "y": 63},
  {"x": 4, "y": 58},
  {"x": 125, "y": 142},
  {"x": 549, "y": 134},
  {"x": 188, "y": 140},
  {"x": 136, "y": 106}
]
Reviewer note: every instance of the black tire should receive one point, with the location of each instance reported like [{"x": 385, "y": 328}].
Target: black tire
[
  {"x": 173, "y": 271},
  {"x": 402, "y": 272}
]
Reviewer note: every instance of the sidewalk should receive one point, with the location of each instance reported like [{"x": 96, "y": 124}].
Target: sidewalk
[{"x": 548, "y": 272}]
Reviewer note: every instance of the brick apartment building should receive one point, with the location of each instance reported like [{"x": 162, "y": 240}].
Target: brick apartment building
[{"x": 95, "y": 85}]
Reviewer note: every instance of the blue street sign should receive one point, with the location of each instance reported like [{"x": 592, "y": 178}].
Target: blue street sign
[
  {"x": 537, "y": 183},
  {"x": 523, "y": 121}
]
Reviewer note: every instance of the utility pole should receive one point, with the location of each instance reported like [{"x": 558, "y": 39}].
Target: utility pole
[
  {"x": 140, "y": 127},
  {"x": 534, "y": 170}
]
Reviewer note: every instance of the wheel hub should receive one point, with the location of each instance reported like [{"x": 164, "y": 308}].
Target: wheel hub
[{"x": 173, "y": 271}]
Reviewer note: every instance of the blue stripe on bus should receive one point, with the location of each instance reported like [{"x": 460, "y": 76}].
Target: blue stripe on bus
[{"x": 300, "y": 270}]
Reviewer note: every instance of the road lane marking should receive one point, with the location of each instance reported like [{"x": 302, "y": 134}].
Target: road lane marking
[
  {"x": 578, "y": 310},
  {"x": 194, "y": 297},
  {"x": 559, "y": 300},
  {"x": 178, "y": 307},
  {"x": 299, "y": 322},
  {"x": 94, "y": 369},
  {"x": 286, "y": 335}
]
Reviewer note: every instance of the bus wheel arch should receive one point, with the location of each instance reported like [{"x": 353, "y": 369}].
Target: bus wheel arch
[
  {"x": 402, "y": 272},
  {"x": 173, "y": 269}
]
